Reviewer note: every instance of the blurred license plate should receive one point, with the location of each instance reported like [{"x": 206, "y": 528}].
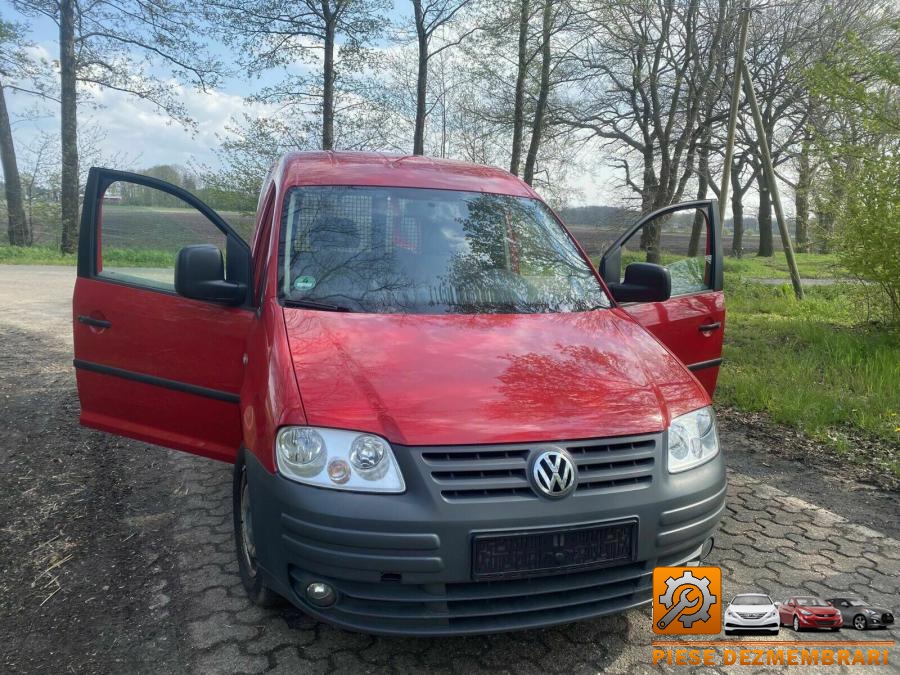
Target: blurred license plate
[{"x": 519, "y": 554}]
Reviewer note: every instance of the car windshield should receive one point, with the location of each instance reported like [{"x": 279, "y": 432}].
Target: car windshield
[
  {"x": 859, "y": 603},
  {"x": 751, "y": 600},
  {"x": 811, "y": 602},
  {"x": 424, "y": 251}
]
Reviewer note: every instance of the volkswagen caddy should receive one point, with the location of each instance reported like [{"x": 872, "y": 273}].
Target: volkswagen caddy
[{"x": 443, "y": 419}]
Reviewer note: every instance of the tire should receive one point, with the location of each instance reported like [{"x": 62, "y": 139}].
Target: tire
[
  {"x": 251, "y": 576},
  {"x": 860, "y": 622},
  {"x": 796, "y": 624},
  {"x": 835, "y": 629}
]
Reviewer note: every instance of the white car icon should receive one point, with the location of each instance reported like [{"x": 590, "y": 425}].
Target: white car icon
[{"x": 751, "y": 611}]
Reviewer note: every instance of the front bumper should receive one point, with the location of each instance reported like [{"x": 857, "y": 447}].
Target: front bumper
[
  {"x": 737, "y": 622},
  {"x": 402, "y": 564},
  {"x": 820, "y": 621}
]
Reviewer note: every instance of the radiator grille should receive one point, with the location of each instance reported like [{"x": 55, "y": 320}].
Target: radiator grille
[{"x": 501, "y": 472}]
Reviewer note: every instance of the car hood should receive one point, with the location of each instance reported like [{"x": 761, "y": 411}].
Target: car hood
[
  {"x": 468, "y": 379},
  {"x": 820, "y": 611}
]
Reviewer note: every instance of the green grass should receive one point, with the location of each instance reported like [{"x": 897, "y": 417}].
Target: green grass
[
  {"x": 810, "y": 266},
  {"x": 816, "y": 365},
  {"x": 114, "y": 257}
]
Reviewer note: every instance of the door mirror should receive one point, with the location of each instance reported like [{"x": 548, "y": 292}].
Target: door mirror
[
  {"x": 778, "y": 605},
  {"x": 644, "y": 282},
  {"x": 200, "y": 274}
]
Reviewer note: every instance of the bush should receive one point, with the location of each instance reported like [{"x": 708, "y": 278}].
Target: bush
[{"x": 869, "y": 228}]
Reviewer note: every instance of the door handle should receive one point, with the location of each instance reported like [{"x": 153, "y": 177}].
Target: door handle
[
  {"x": 705, "y": 327},
  {"x": 91, "y": 321}
]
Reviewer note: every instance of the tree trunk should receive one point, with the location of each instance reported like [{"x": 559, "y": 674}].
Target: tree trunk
[
  {"x": 519, "y": 102},
  {"x": 801, "y": 198},
  {"x": 19, "y": 234},
  {"x": 737, "y": 213},
  {"x": 69, "y": 127},
  {"x": 543, "y": 94},
  {"x": 328, "y": 77},
  {"x": 649, "y": 202},
  {"x": 702, "y": 186},
  {"x": 765, "y": 219},
  {"x": 421, "y": 80}
]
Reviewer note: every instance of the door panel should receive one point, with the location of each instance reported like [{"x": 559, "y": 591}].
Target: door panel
[
  {"x": 151, "y": 364},
  {"x": 691, "y": 323}
]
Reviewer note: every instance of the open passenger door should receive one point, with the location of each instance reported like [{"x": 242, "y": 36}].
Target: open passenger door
[{"x": 686, "y": 240}]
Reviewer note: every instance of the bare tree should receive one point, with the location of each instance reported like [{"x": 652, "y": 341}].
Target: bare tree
[
  {"x": 430, "y": 17},
  {"x": 276, "y": 34},
  {"x": 653, "y": 65},
  {"x": 22, "y": 73},
  {"x": 114, "y": 45}
]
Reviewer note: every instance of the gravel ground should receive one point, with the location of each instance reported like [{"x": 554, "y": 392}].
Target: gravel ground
[{"x": 117, "y": 556}]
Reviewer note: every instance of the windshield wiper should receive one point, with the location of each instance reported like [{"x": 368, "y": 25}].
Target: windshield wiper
[{"x": 314, "y": 304}]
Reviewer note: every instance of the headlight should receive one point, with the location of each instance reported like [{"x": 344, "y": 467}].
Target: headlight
[
  {"x": 337, "y": 459},
  {"x": 693, "y": 440},
  {"x": 770, "y": 614},
  {"x": 805, "y": 612}
]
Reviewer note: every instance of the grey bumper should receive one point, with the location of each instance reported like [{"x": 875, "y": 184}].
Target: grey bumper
[{"x": 402, "y": 564}]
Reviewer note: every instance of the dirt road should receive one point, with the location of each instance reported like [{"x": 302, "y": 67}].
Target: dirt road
[{"x": 116, "y": 556}]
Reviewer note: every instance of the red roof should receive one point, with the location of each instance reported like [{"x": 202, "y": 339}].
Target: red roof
[{"x": 378, "y": 169}]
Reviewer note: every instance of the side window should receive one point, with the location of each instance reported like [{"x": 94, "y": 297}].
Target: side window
[
  {"x": 141, "y": 229},
  {"x": 678, "y": 241}
]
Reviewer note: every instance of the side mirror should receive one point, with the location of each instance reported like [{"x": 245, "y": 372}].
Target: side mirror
[
  {"x": 200, "y": 274},
  {"x": 778, "y": 605},
  {"x": 644, "y": 282}
]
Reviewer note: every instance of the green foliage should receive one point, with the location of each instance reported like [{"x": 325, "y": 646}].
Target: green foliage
[
  {"x": 858, "y": 83},
  {"x": 869, "y": 241}
]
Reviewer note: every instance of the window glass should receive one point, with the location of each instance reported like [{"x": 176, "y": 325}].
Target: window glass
[
  {"x": 141, "y": 231},
  {"x": 425, "y": 251},
  {"x": 751, "y": 600},
  {"x": 679, "y": 242}
]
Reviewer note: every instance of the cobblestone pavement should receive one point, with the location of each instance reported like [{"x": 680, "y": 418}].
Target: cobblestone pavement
[
  {"x": 187, "y": 612},
  {"x": 769, "y": 542}
]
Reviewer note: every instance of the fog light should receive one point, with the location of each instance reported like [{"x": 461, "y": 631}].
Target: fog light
[
  {"x": 320, "y": 594},
  {"x": 707, "y": 547}
]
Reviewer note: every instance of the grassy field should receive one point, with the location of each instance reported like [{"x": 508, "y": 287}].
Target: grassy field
[
  {"x": 816, "y": 365},
  {"x": 810, "y": 266}
]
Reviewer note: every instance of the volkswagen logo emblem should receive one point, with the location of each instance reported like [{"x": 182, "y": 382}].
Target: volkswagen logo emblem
[{"x": 554, "y": 473}]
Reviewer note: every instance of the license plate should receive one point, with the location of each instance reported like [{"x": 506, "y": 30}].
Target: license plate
[{"x": 520, "y": 554}]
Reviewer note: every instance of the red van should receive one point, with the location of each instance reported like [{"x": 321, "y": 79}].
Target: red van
[{"x": 442, "y": 418}]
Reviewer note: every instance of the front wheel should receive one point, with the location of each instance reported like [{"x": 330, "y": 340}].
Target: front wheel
[
  {"x": 859, "y": 622},
  {"x": 796, "y": 624},
  {"x": 251, "y": 576}
]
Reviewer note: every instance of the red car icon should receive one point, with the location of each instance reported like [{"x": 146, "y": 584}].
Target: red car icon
[{"x": 804, "y": 612}]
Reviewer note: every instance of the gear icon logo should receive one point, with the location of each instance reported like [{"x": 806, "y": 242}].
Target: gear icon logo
[{"x": 687, "y": 600}]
